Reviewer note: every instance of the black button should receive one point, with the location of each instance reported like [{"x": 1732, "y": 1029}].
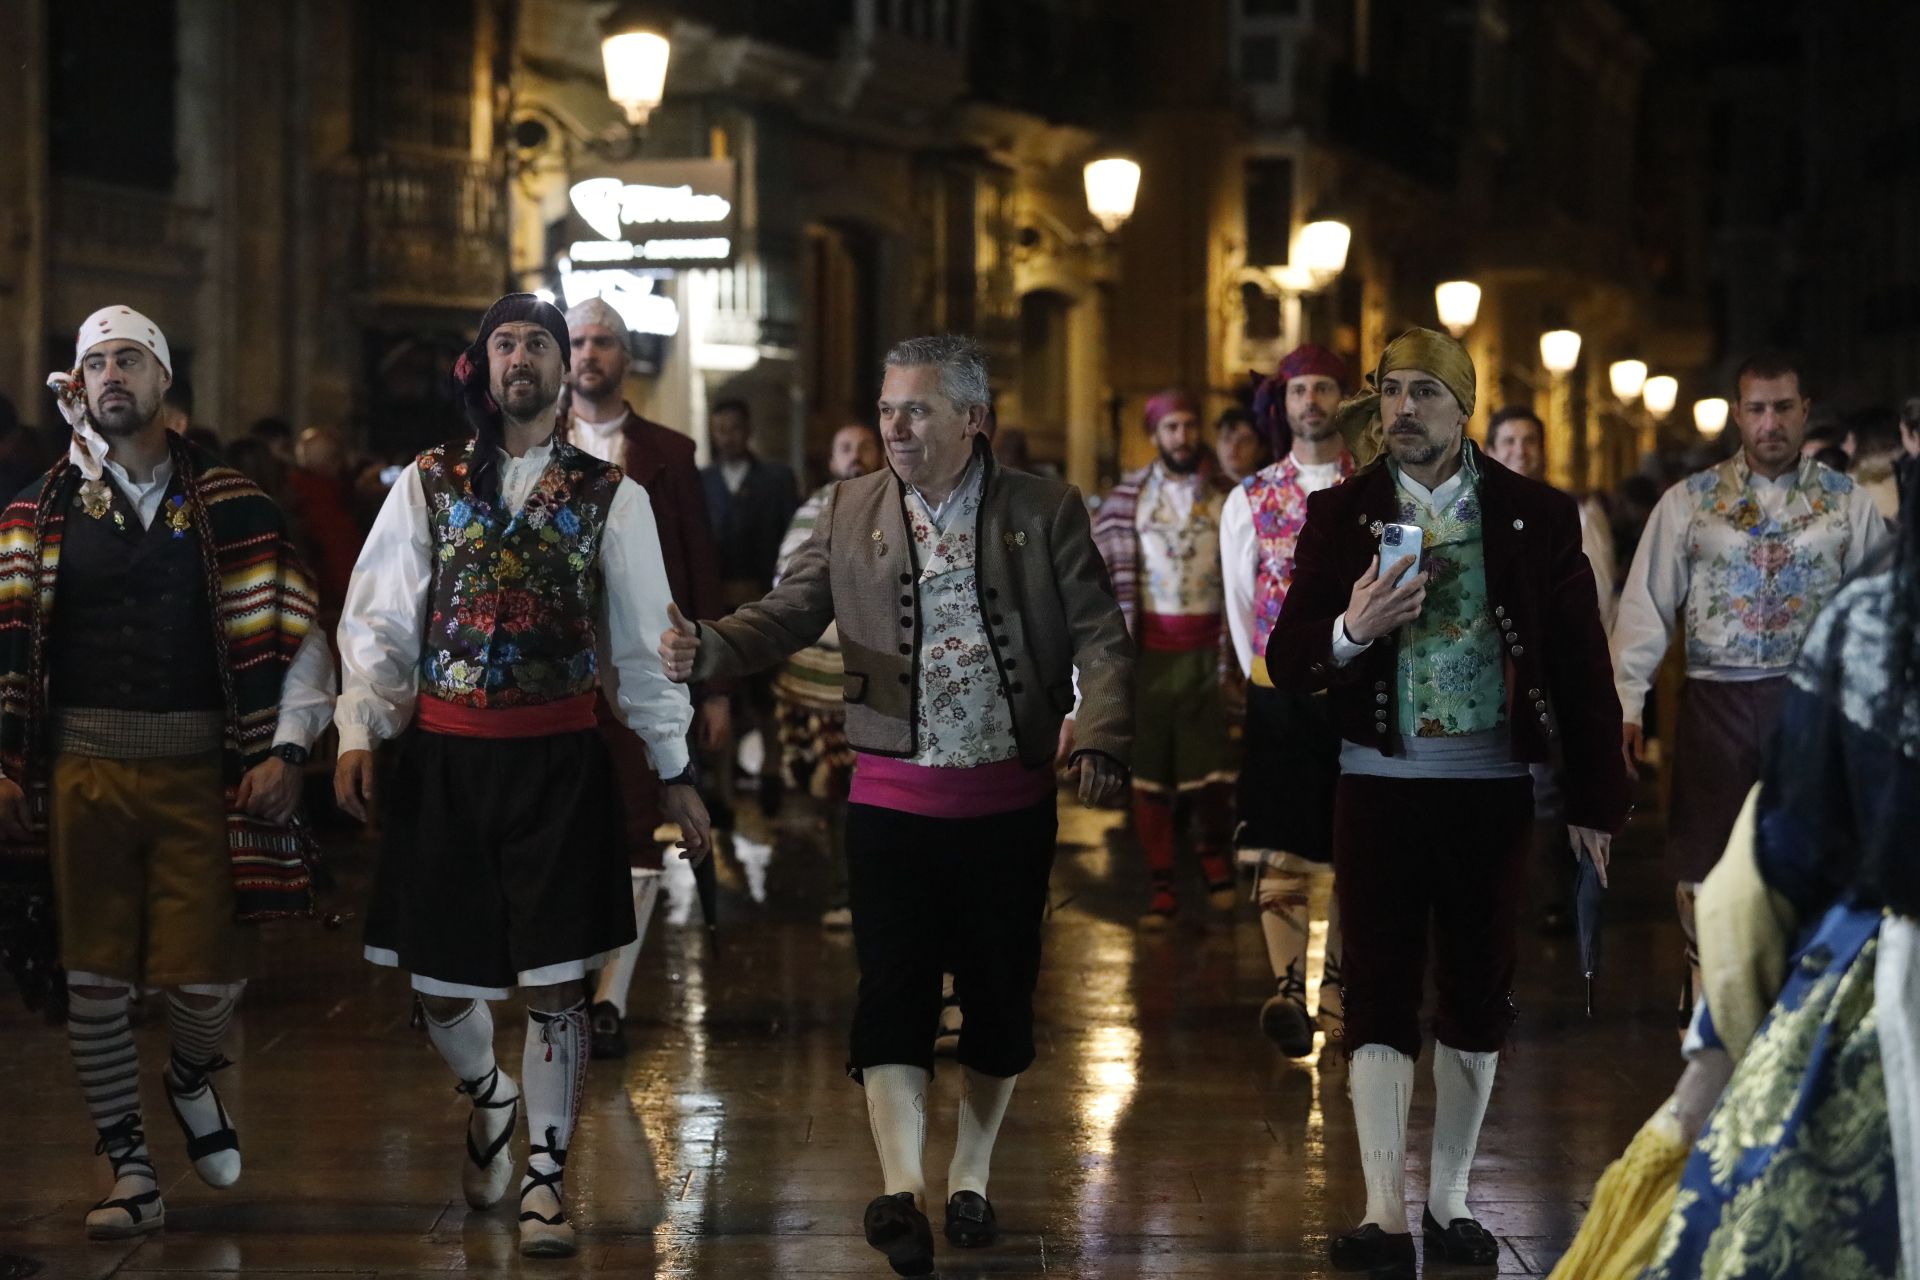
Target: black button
[
  {"x": 127, "y": 630},
  {"x": 993, "y": 593},
  {"x": 906, "y": 579},
  {"x": 906, "y": 648},
  {"x": 1011, "y": 664},
  {"x": 906, "y": 622},
  {"x": 1001, "y": 641},
  {"x": 125, "y": 687},
  {"x": 1015, "y": 687},
  {"x": 996, "y": 619},
  {"x": 905, "y": 678},
  {"x": 906, "y": 602},
  {"x": 1379, "y": 685}
]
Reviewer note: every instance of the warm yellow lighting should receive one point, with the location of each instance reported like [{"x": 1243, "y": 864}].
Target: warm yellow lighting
[
  {"x": 1710, "y": 415},
  {"x": 1458, "y": 302},
  {"x": 636, "y": 63},
  {"x": 1560, "y": 350},
  {"x": 1628, "y": 377},
  {"x": 1113, "y": 184},
  {"x": 1322, "y": 248},
  {"x": 1660, "y": 394}
]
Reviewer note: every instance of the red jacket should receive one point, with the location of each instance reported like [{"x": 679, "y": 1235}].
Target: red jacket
[{"x": 1559, "y": 675}]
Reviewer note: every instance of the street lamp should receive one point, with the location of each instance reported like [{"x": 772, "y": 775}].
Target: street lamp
[
  {"x": 1458, "y": 302},
  {"x": 634, "y": 49},
  {"x": 1560, "y": 351},
  {"x": 1113, "y": 184},
  {"x": 1322, "y": 249},
  {"x": 1660, "y": 394},
  {"x": 1709, "y": 415},
  {"x": 1628, "y": 378}
]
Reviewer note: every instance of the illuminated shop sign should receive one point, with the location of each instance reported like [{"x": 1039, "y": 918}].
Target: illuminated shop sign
[
  {"x": 627, "y": 292},
  {"x": 653, "y": 213}
]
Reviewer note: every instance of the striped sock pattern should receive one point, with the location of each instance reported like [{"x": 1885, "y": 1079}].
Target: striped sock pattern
[
  {"x": 108, "y": 1064},
  {"x": 196, "y": 1034}
]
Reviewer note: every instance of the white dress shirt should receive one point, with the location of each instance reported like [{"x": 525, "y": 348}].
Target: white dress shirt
[
  {"x": 601, "y": 439},
  {"x": 383, "y": 626},
  {"x": 1661, "y": 576},
  {"x": 1240, "y": 554}
]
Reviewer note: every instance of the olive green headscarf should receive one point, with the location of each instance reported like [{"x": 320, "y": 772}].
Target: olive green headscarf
[{"x": 1358, "y": 418}]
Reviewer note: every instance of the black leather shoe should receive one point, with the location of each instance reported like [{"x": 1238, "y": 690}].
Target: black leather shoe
[
  {"x": 1370, "y": 1249},
  {"x": 970, "y": 1223},
  {"x": 607, "y": 1035},
  {"x": 898, "y": 1229},
  {"x": 1463, "y": 1241}
]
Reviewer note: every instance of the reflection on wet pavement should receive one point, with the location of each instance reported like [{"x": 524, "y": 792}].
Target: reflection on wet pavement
[{"x": 1158, "y": 1135}]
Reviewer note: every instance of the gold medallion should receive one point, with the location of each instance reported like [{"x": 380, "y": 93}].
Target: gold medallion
[{"x": 94, "y": 498}]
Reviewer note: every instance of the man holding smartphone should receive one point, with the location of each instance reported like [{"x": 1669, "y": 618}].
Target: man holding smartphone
[{"x": 1448, "y": 678}]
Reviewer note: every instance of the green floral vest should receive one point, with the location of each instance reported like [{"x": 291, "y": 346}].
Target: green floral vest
[{"x": 1451, "y": 681}]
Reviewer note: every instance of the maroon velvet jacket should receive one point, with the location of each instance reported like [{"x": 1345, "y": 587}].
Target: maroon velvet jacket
[{"x": 1559, "y": 675}]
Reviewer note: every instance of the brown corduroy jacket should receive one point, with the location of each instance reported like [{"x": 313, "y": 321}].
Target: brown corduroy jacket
[{"x": 1044, "y": 596}]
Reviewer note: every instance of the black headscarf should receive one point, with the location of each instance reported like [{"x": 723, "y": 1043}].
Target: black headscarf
[{"x": 470, "y": 380}]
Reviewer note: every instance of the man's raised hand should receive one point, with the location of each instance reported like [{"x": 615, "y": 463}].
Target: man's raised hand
[{"x": 679, "y": 645}]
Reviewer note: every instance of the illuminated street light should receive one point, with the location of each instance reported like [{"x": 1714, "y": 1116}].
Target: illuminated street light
[
  {"x": 1113, "y": 184},
  {"x": 1628, "y": 378},
  {"x": 634, "y": 49},
  {"x": 1660, "y": 394},
  {"x": 1322, "y": 249},
  {"x": 1458, "y": 302},
  {"x": 1710, "y": 415},
  {"x": 1560, "y": 350}
]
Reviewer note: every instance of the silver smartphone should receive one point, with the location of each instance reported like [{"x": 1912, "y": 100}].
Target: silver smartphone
[{"x": 1399, "y": 542}]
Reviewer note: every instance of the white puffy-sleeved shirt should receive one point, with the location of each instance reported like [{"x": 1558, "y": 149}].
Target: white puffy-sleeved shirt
[{"x": 383, "y": 627}]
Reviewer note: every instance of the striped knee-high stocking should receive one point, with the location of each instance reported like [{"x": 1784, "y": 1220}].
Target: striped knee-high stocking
[{"x": 104, "y": 1056}]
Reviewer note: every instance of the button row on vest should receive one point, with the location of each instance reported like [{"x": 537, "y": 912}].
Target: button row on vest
[
  {"x": 906, "y": 602},
  {"x": 1379, "y": 686},
  {"x": 905, "y": 678},
  {"x": 906, "y": 579},
  {"x": 907, "y": 622},
  {"x": 906, "y": 648}
]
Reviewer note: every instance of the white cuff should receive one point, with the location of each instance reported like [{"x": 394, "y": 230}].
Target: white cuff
[
  {"x": 355, "y": 737},
  {"x": 1344, "y": 649}
]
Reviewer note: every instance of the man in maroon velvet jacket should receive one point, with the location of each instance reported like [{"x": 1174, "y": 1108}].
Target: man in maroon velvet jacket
[
  {"x": 1446, "y": 683},
  {"x": 661, "y": 461}
]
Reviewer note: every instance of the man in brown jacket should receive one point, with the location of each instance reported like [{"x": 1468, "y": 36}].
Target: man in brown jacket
[
  {"x": 966, "y": 596},
  {"x": 660, "y": 460}
]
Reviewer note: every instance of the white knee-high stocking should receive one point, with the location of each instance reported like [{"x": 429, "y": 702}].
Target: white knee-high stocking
[
  {"x": 1381, "y": 1079},
  {"x": 983, "y": 1104},
  {"x": 897, "y": 1110},
  {"x": 1462, "y": 1083}
]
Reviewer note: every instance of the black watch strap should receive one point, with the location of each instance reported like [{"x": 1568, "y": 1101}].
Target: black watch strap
[
  {"x": 687, "y": 777},
  {"x": 293, "y": 753}
]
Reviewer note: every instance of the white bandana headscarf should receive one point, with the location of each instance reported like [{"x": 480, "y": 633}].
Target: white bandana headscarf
[
  {"x": 596, "y": 311},
  {"x": 89, "y": 449}
]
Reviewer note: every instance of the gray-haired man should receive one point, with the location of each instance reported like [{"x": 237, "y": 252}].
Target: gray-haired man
[{"x": 965, "y": 596}]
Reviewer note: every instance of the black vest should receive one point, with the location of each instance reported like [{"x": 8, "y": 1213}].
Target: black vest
[{"x": 132, "y": 624}]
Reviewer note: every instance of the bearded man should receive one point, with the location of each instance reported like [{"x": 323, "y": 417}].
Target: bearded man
[
  {"x": 1159, "y": 532},
  {"x": 1447, "y": 681}
]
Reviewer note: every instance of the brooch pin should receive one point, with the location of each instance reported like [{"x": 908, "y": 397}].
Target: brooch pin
[
  {"x": 1377, "y": 528},
  {"x": 178, "y": 518},
  {"x": 877, "y": 535},
  {"x": 1013, "y": 539},
  {"x": 119, "y": 520},
  {"x": 94, "y": 499}
]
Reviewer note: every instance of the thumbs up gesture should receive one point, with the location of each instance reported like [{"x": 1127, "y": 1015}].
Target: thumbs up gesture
[{"x": 679, "y": 645}]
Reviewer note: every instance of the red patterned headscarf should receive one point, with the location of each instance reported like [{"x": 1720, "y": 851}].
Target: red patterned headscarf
[
  {"x": 1307, "y": 360},
  {"x": 1169, "y": 401}
]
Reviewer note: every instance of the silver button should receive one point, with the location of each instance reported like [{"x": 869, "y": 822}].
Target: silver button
[
  {"x": 1380, "y": 698},
  {"x": 1533, "y": 693},
  {"x": 1519, "y": 650},
  {"x": 1539, "y": 706},
  {"x": 1380, "y": 728},
  {"x": 1379, "y": 686},
  {"x": 1519, "y": 524},
  {"x": 1499, "y": 611},
  {"x": 1513, "y": 637},
  {"x": 1543, "y": 719},
  {"x": 1506, "y": 624}
]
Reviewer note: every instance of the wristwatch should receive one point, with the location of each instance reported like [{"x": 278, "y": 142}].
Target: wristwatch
[
  {"x": 292, "y": 753},
  {"x": 687, "y": 777}
]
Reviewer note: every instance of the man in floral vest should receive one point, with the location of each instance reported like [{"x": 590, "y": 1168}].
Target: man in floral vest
[
  {"x": 1749, "y": 551},
  {"x": 162, "y": 681},
  {"x": 1292, "y": 748},
  {"x": 1159, "y": 532},
  {"x": 1445, "y": 683},
  {"x": 508, "y": 580}
]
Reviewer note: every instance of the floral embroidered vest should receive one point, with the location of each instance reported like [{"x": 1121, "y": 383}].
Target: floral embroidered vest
[
  {"x": 1179, "y": 558},
  {"x": 510, "y": 611},
  {"x": 1279, "y": 507},
  {"x": 964, "y": 716},
  {"x": 1452, "y": 681},
  {"x": 1758, "y": 580}
]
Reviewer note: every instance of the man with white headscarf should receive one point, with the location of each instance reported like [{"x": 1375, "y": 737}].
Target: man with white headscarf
[
  {"x": 158, "y": 699},
  {"x": 661, "y": 461}
]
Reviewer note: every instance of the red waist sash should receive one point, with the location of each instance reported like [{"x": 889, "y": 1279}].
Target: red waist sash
[
  {"x": 538, "y": 720},
  {"x": 1179, "y": 632}
]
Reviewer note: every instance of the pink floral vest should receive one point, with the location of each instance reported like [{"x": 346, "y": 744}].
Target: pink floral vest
[{"x": 1279, "y": 513}]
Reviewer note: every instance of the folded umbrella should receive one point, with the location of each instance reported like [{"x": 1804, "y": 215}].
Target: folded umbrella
[
  {"x": 1589, "y": 897},
  {"x": 706, "y": 885}
]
